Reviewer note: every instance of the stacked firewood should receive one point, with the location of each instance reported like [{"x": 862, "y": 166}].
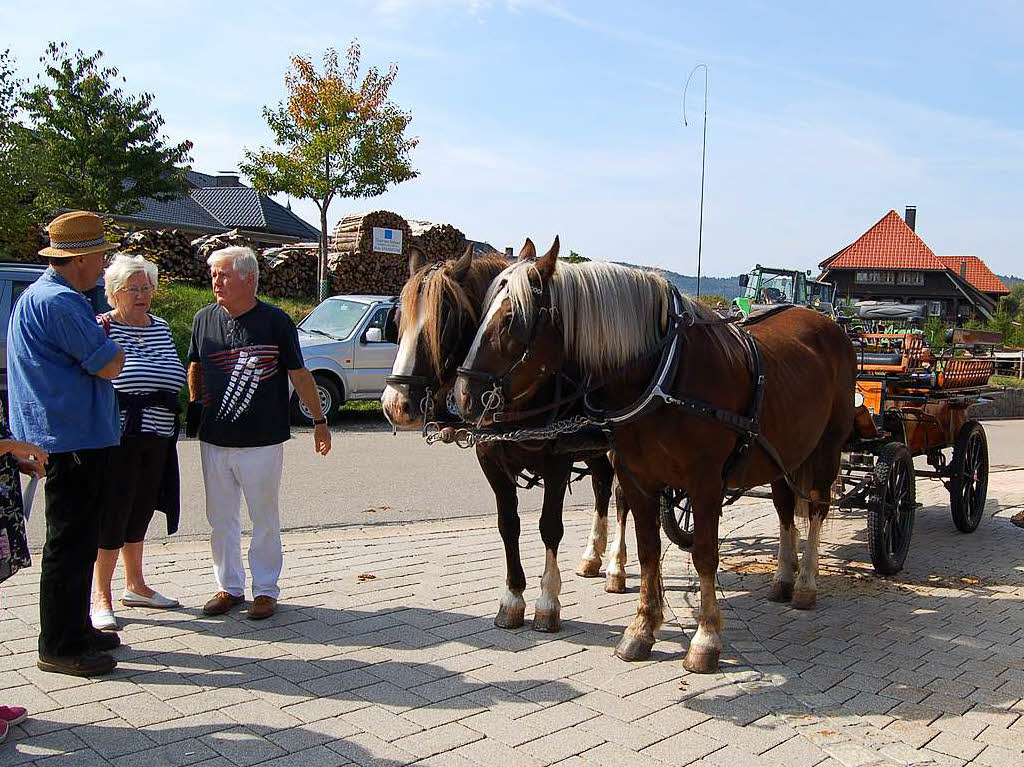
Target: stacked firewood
[
  {"x": 354, "y": 233},
  {"x": 172, "y": 252},
  {"x": 367, "y": 273},
  {"x": 289, "y": 271},
  {"x": 207, "y": 244},
  {"x": 440, "y": 241}
]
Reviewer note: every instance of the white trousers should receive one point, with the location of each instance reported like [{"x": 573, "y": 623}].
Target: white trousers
[{"x": 228, "y": 473}]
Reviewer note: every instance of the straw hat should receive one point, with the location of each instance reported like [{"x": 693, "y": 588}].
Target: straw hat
[{"x": 76, "y": 234}]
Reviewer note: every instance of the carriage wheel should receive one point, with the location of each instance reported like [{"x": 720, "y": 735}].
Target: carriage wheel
[
  {"x": 677, "y": 519},
  {"x": 891, "y": 508},
  {"x": 968, "y": 477}
]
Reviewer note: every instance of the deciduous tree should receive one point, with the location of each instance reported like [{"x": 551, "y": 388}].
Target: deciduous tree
[
  {"x": 99, "y": 148},
  {"x": 334, "y": 136}
]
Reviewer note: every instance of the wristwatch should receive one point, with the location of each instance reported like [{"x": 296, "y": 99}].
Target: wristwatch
[{"x": 319, "y": 421}]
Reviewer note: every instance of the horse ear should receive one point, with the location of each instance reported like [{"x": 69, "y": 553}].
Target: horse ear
[
  {"x": 416, "y": 260},
  {"x": 546, "y": 264},
  {"x": 461, "y": 268},
  {"x": 529, "y": 252}
]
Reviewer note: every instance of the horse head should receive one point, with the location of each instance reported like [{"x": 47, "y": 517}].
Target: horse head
[
  {"x": 435, "y": 319},
  {"x": 518, "y": 346}
]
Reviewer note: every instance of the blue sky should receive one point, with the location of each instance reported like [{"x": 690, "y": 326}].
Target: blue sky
[{"x": 537, "y": 118}]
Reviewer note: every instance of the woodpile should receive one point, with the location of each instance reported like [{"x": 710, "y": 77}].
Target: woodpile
[
  {"x": 289, "y": 271},
  {"x": 207, "y": 244},
  {"x": 367, "y": 273},
  {"x": 171, "y": 251},
  {"x": 354, "y": 233},
  {"x": 439, "y": 242}
]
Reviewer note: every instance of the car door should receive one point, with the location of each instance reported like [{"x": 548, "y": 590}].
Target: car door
[{"x": 374, "y": 359}]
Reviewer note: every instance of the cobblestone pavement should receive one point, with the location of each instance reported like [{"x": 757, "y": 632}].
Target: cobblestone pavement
[{"x": 383, "y": 653}]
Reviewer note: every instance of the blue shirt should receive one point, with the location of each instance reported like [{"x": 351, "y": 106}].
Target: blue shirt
[{"x": 54, "y": 350}]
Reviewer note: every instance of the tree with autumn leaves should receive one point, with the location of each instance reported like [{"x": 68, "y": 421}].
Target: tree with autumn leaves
[{"x": 335, "y": 137}]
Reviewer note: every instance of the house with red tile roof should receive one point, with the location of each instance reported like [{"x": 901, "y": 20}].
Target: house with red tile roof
[{"x": 890, "y": 262}]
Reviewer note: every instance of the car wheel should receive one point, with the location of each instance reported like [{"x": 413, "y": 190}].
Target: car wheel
[{"x": 330, "y": 401}]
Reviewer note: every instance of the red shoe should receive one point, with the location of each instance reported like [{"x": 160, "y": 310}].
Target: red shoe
[{"x": 13, "y": 715}]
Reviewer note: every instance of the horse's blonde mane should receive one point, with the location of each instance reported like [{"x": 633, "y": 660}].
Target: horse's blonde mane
[
  {"x": 610, "y": 314},
  {"x": 425, "y": 292}
]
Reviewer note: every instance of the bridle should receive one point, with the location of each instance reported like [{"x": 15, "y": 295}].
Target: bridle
[
  {"x": 498, "y": 396},
  {"x": 451, "y": 332}
]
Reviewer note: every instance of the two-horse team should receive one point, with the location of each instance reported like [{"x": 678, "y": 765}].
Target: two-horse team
[{"x": 552, "y": 362}]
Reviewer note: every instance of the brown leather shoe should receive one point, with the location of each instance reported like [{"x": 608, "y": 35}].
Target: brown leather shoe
[
  {"x": 262, "y": 607},
  {"x": 221, "y": 602}
]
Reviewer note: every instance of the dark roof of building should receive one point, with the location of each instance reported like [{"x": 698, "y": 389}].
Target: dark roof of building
[{"x": 219, "y": 204}]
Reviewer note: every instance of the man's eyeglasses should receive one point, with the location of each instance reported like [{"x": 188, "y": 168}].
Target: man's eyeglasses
[{"x": 144, "y": 290}]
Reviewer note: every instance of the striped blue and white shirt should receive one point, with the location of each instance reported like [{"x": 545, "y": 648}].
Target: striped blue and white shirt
[{"x": 151, "y": 363}]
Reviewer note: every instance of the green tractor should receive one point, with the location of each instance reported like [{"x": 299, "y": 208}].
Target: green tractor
[{"x": 767, "y": 286}]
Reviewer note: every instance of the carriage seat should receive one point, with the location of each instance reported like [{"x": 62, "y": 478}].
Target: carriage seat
[{"x": 879, "y": 358}]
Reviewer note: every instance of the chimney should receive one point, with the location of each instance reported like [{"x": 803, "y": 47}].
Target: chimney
[
  {"x": 227, "y": 178},
  {"x": 508, "y": 253},
  {"x": 963, "y": 270},
  {"x": 911, "y": 217}
]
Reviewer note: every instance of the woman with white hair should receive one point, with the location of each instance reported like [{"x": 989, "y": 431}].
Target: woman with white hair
[{"x": 143, "y": 469}]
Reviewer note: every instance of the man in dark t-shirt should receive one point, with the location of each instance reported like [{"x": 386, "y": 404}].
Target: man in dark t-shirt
[{"x": 241, "y": 357}]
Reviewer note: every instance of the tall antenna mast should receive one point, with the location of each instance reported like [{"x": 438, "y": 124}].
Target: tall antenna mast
[{"x": 703, "y": 155}]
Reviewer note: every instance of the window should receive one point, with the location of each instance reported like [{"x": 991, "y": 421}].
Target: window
[
  {"x": 875, "y": 278},
  {"x": 935, "y": 309},
  {"x": 910, "y": 278},
  {"x": 379, "y": 321}
]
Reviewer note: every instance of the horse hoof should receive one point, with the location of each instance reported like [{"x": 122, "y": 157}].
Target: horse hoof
[
  {"x": 615, "y": 583},
  {"x": 780, "y": 592},
  {"x": 634, "y": 648},
  {"x": 510, "y": 617},
  {"x": 803, "y": 599},
  {"x": 589, "y": 568},
  {"x": 547, "y": 621},
  {"x": 703, "y": 661}
]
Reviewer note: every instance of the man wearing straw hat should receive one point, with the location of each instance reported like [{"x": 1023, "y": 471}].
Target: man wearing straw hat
[{"x": 59, "y": 366}]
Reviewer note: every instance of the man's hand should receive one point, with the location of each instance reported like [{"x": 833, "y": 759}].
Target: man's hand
[
  {"x": 23, "y": 451},
  {"x": 321, "y": 439},
  {"x": 29, "y": 468}
]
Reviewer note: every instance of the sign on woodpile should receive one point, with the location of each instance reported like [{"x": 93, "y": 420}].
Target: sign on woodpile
[{"x": 387, "y": 240}]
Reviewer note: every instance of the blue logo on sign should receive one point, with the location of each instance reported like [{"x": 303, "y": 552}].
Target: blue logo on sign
[{"x": 387, "y": 234}]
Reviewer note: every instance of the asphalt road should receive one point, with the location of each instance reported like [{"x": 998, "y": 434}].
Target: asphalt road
[{"x": 371, "y": 477}]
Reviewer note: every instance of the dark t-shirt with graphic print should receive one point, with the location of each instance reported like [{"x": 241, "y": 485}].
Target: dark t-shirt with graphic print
[{"x": 245, "y": 363}]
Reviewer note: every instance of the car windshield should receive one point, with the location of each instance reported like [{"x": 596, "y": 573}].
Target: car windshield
[{"x": 335, "y": 317}]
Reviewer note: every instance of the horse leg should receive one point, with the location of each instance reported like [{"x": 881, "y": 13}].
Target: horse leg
[
  {"x": 821, "y": 469},
  {"x": 615, "y": 574},
  {"x": 638, "y": 639},
  {"x": 547, "y": 611},
  {"x": 789, "y": 542},
  {"x": 512, "y": 607},
  {"x": 706, "y": 645},
  {"x": 601, "y": 478}
]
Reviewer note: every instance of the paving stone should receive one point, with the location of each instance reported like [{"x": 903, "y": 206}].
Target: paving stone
[
  {"x": 370, "y": 751},
  {"x": 447, "y": 737},
  {"x": 560, "y": 745},
  {"x": 172, "y": 755},
  {"x": 381, "y": 722},
  {"x": 242, "y": 746},
  {"x": 683, "y": 748}
]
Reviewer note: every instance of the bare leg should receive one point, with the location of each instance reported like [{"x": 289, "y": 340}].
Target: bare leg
[
  {"x": 131, "y": 555},
  {"x": 547, "y": 611},
  {"x": 615, "y": 574},
  {"x": 601, "y": 479},
  {"x": 706, "y": 645},
  {"x": 789, "y": 541},
  {"x": 106, "y": 562},
  {"x": 512, "y": 607}
]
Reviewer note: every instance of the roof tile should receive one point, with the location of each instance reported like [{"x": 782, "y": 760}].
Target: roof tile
[
  {"x": 978, "y": 274},
  {"x": 889, "y": 244}
]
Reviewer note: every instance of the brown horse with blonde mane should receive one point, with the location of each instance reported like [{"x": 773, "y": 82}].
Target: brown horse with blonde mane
[
  {"x": 438, "y": 315},
  {"x": 614, "y": 324}
]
